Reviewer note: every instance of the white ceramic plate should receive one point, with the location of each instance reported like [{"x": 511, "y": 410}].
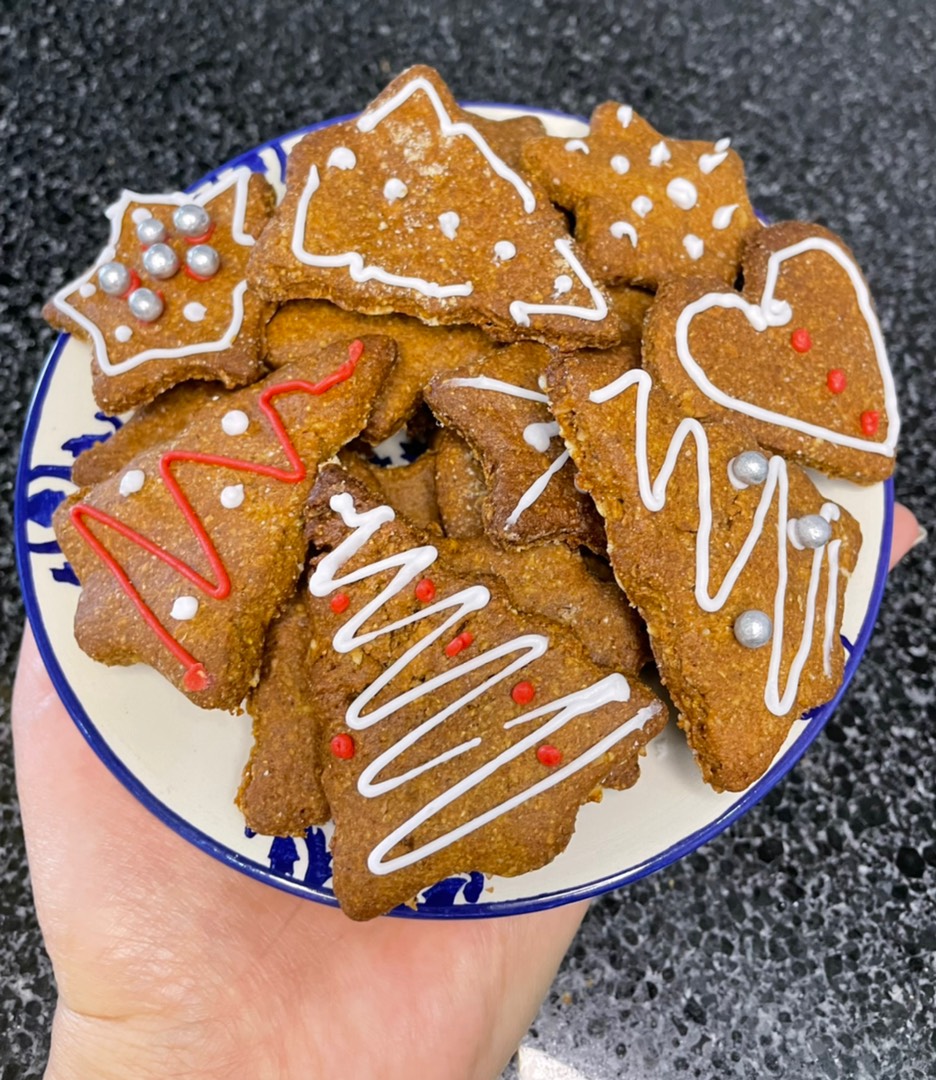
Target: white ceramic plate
[{"x": 184, "y": 764}]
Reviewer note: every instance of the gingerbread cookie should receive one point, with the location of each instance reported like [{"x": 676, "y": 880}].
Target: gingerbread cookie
[
  {"x": 798, "y": 355},
  {"x": 646, "y": 207},
  {"x": 733, "y": 557},
  {"x": 410, "y": 209},
  {"x": 189, "y": 552},
  {"x": 167, "y": 299},
  {"x": 459, "y": 486},
  {"x": 631, "y": 306},
  {"x": 409, "y": 489},
  {"x": 463, "y": 735},
  {"x": 423, "y": 350},
  {"x": 497, "y": 406}
]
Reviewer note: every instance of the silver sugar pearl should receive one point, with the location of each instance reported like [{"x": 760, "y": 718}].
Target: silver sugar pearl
[
  {"x": 151, "y": 231},
  {"x": 813, "y": 531},
  {"x": 203, "y": 260},
  {"x": 753, "y": 628},
  {"x": 160, "y": 261},
  {"x": 191, "y": 220},
  {"x": 145, "y": 304},
  {"x": 114, "y": 278},
  {"x": 749, "y": 467}
]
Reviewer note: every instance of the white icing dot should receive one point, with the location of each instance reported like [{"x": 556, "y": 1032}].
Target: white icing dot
[
  {"x": 232, "y": 496},
  {"x": 721, "y": 219},
  {"x": 577, "y": 144},
  {"x": 620, "y": 164},
  {"x": 131, "y": 482},
  {"x": 341, "y": 158},
  {"x": 722, "y": 145},
  {"x": 394, "y": 189},
  {"x": 625, "y": 114},
  {"x": 448, "y": 223},
  {"x": 88, "y": 289},
  {"x": 194, "y": 311},
  {"x": 659, "y": 153},
  {"x": 123, "y": 333},
  {"x": 623, "y": 228},
  {"x": 694, "y": 245},
  {"x": 562, "y": 284},
  {"x": 504, "y": 250},
  {"x": 708, "y": 162},
  {"x": 184, "y": 608},
  {"x": 234, "y": 422},
  {"x": 642, "y": 205},
  {"x": 140, "y": 214},
  {"x": 682, "y": 192}
]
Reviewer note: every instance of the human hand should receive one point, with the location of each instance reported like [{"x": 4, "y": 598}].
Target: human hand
[{"x": 169, "y": 964}]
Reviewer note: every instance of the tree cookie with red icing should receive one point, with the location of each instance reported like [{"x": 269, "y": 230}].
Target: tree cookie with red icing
[
  {"x": 646, "y": 206},
  {"x": 732, "y": 556},
  {"x": 187, "y": 554},
  {"x": 410, "y": 209},
  {"x": 167, "y": 299},
  {"x": 463, "y": 735},
  {"x": 798, "y": 355}
]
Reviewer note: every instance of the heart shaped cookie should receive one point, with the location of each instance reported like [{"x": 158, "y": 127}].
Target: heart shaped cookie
[{"x": 798, "y": 353}]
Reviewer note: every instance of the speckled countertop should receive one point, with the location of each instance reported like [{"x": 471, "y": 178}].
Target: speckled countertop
[{"x": 801, "y": 942}]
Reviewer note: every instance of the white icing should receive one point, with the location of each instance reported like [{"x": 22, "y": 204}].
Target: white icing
[
  {"x": 623, "y": 228},
  {"x": 653, "y": 496},
  {"x": 521, "y": 310},
  {"x": 562, "y": 284},
  {"x": 194, "y": 312},
  {"x": 774, "y": 312},
  {"x": 184, "y": 608},
  {"x": 235, "y": 422},
  {"x": 831, "y": 606},
  {"x": 721, "y": 219},
  {"x": 642, "y": 205},
  {"x": 504, "y": 250},
  {"x": 395, "y": 189},
  {"x": 448, "y": 223},
  {"x": 577, "y": 145},
  {"x": 620, "y": 164},
  {"x": 342, "y": 157},
  {"x": 123, "y": 333},
  {"x": 682, "y": 192},
  {"x": 131, "y": 482},
  {"x": 232, "y": 496},
  {"x": 659, "y": 153},
  {"x": 88, "y": 289},
  {"x": 239, "y": 179},
  {"x": 533, "y": 492},
  {"x": 708, "y": 162},
  {"x": 694, "y": 245},
  {"x": 409, "y": 566},
  {"x": 485, "y": 382},
  {"x": 625, "y": 114},
  {"x": 539, "y": 435},
  {"x": 140, "y": 214}
]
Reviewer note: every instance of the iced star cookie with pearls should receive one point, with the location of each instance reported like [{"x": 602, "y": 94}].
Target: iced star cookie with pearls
[
  {"x": 462, "y": 735},
  {"x": 411, "y": 208},
  {"x": 735, "y": 560},
  {"x": 646, "y": 207},
  {"x": 798, "y": 355},
  {"x": 167, "y": 299},
  {"x": 187, "y": 552}
]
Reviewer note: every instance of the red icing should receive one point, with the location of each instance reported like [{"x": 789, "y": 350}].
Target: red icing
[
  {"x": 550, "y": 756},
  {"x": 203, "y": 239},
  {"x": 196, "y": 678},
  {"x": 870, "y": 419},
  {"x": 186, "y": 269},
  {"x": 425, "y": 590},
  {"x": 342, "y": 746},
  {"x": 134, "y": 284},
  {"x": 339, "y": 602},
  {"x": 836, "y": 380},
  {"x": 800, "y": 340},
  {"x": 523, "y": 693},
  {"x": 456, "y": 645}
]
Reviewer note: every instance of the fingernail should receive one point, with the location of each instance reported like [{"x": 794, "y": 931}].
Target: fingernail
[{"x": 921, "y": 537}]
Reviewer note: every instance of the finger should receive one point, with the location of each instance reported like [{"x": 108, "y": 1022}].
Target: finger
[{"x": 907, "y": 533}]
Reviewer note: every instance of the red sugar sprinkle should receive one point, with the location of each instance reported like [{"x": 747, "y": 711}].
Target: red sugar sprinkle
[
  {"x": 870, "y": 419},
  {"x": 800, "y": 340},
  {"x": 550, "y": 756},
  {"x": 836, "y": 381},
  {"x": 195, "y": 679},
  {"x": 339, "y": 602},
  {"x": 456, "y": 645},
  {"x": 523, "y": 693},
  {"x": 342, "y": 746},
  {"x": 425, "y": 590}
]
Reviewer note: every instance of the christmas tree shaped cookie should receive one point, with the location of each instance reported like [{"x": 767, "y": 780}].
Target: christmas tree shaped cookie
[
  {"x": 410, "y": 209},
  {"x": 188, "y": 552},
  {"x": 167, "y": 299},
  {"x": 798, "y": 355},
  {"x": 646, "y": 207}
]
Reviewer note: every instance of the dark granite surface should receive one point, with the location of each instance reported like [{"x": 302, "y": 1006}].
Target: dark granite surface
[{"x": 801, "y": 942}]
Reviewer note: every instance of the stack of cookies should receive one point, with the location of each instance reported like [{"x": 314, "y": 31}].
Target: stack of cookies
[{"x": 620, "y": 378}]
